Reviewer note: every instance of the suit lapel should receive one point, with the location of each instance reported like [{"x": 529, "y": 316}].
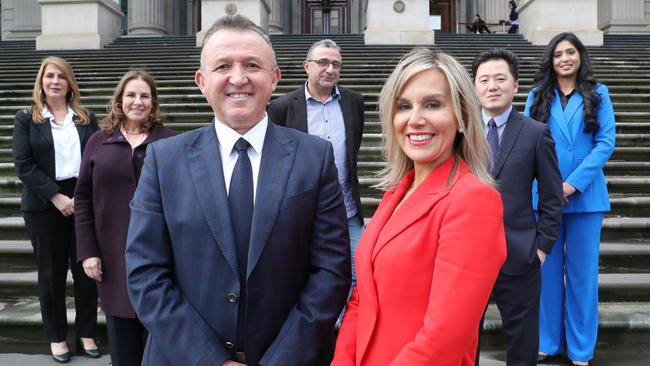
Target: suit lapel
[
  {"x": 558, "y": 115},
  {"x": 298, "y": 119},
  {"x": 206, "y": 170},
  {"x": 278, "y": 156},
  {"x": 346, "y": 110},
  {"x": 416, "y": 206},
  {"x": 82, "y": 130},
  {"x": 46, "y": 130},
  {"x": 575, "y": 104},
  {"x": 510, "y": 133}
]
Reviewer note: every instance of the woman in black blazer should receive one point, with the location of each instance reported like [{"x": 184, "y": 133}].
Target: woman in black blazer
[{"x": 48, "y": 140}]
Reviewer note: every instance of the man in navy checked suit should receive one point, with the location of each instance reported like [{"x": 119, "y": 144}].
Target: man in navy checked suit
[{"x": 201, "y": 302}]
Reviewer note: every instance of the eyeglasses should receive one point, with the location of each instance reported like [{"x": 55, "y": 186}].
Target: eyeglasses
[{"x": 325, "y": 63}]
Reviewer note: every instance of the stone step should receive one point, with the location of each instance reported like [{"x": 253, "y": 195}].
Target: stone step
[{"x": 615, "y": 257}]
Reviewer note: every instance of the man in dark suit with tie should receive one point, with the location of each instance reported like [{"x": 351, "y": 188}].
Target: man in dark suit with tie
[
  {"x": 334, "y": 113},
  {"x": 522, "y": 151},
  {"x": 237, "y": 252}
]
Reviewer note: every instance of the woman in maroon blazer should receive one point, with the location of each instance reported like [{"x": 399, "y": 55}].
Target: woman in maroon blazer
[{"x": 107, "y": 180}]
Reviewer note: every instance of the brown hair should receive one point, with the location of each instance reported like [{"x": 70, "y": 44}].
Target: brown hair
[
  {"x": 116, "y": 117},
  {"x": 72, "y": 97}
]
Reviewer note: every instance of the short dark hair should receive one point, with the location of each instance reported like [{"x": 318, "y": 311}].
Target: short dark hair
[
  {"x": 238, "y": 23},
  {"x": 497, "y": 54}
]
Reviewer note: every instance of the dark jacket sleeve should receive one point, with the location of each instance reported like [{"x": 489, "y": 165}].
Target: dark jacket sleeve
[
  {"x": 27, "y": 169},
  {"x": 549, "y": 186},
  {"x": 84, "y": 215}
]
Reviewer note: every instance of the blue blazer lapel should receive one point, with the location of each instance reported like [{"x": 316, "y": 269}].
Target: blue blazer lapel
[
  {"x": 575, "y": 104},
  {"x": 278, "y": 156},
  {"x": 558, "y": 115},
  {"x": 510, "y": 133},
  {"x": 206, "y": 170}
]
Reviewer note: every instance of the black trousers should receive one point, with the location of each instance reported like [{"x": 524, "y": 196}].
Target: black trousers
[
  {"x": 53, "y": 240},
  {"x": 517, "y": 298},
  {"x": 126, "y": 338}
]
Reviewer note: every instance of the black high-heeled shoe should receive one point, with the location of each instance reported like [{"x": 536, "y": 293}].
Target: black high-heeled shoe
[
  {"x": 87, "y": 352},
  {"x": 62, "y": 358}
]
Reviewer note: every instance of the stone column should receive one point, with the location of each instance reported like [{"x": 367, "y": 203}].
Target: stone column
[
  {"x": 276, "y": 18},
  {"x": 256, "y": 10},
  {"x": 623, "y": 16},
  {"x": 78, "y": 24},
  {"x": 21, "y": 19},
  {"x": 148, "y": 17},
  {"x": 540, "y": 20},
  {"x": 398, "y": 22}
]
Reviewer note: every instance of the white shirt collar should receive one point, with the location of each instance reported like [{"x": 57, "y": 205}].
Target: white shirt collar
[
  {"x": 335, "y": 94},
  {"x": 68, "y": 117},
  {"x": 228, "y": 137},
  {"x": 499, "y": 120}
]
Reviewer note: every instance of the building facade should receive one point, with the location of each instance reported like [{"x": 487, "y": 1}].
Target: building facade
[{"x": 27, "y": 19}]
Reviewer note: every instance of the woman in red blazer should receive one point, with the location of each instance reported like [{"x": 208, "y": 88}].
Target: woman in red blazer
[{"x": 428, "y": 260}]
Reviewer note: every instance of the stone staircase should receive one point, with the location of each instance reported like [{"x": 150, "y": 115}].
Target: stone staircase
[{"x": 625, "y": 248}]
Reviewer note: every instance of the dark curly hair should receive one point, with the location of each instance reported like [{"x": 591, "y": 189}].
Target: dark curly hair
[{"x": 585, "y": 85}]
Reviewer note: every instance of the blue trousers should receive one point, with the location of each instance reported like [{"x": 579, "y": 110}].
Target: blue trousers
[{"x": 569, "y": 299}]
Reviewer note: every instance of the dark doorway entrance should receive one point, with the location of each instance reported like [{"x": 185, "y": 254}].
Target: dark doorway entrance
[
  {"x": 446, "y": 9},
  {"x": 326, "y": 16}
]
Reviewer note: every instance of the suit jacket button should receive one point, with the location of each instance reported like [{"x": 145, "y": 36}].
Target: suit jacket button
[
  {"x": 232, "y": 297},
  {"x": 229, "y": 345}
]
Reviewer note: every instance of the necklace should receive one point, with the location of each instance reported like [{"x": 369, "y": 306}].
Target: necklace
[{"x": 132, "y": 133}]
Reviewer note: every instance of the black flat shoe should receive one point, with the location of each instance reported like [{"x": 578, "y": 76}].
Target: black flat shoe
[
  {"x": 62, "y": 358},
  {"x": 542, "y": 358},
  {"x": 90, "y": 353}
]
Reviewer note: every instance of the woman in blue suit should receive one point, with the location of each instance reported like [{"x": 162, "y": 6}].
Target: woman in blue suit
[{"x": 580, "y": 116}]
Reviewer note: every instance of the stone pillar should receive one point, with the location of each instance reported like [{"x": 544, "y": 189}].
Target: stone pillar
[
  {"x": 623, "y": 16},
  {"x": 276, "y": 18},
  {"x": 211, "y": 10},
  {"x": 540, "y": 20},
  {"x": 398, "y": 22},
  {"x": 21, "y": 19},
  {"x": 148, "y": 17},
  {"x": 78, "y": 24}
]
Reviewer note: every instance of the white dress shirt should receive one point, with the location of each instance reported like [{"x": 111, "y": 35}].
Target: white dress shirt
[
  {"x": 227, "y": 139},
  {"x": 67, "y": 147}
]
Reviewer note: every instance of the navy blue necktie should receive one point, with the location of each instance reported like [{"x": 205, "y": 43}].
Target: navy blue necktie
[
  {"x": 493, "y": 138},
  {"x": 240, "y": 200}
]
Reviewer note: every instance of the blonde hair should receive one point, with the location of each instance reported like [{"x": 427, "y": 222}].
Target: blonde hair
[
  {"x": 116, "y": 117},
  {"x": 470, "y": 145},
  {"x": 72, "y": 97}
]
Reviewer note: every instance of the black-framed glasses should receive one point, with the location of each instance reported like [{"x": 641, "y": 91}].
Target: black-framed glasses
[{"x": 325, "y": 63}]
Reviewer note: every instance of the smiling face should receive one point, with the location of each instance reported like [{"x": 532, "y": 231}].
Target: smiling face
[
  {"x": 136, "y": 102},
  {"x": 55, "y": 85},
  {"x": 424, "y": 121},
  {"x": 566, "y": 60},
  {"x": 237, "y": 77},
  {"x": 323, "y": 79},
  {"x": 495, "y": 86}
]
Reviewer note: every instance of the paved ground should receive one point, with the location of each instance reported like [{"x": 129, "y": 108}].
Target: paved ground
[{"x": 605, "y": 356}]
